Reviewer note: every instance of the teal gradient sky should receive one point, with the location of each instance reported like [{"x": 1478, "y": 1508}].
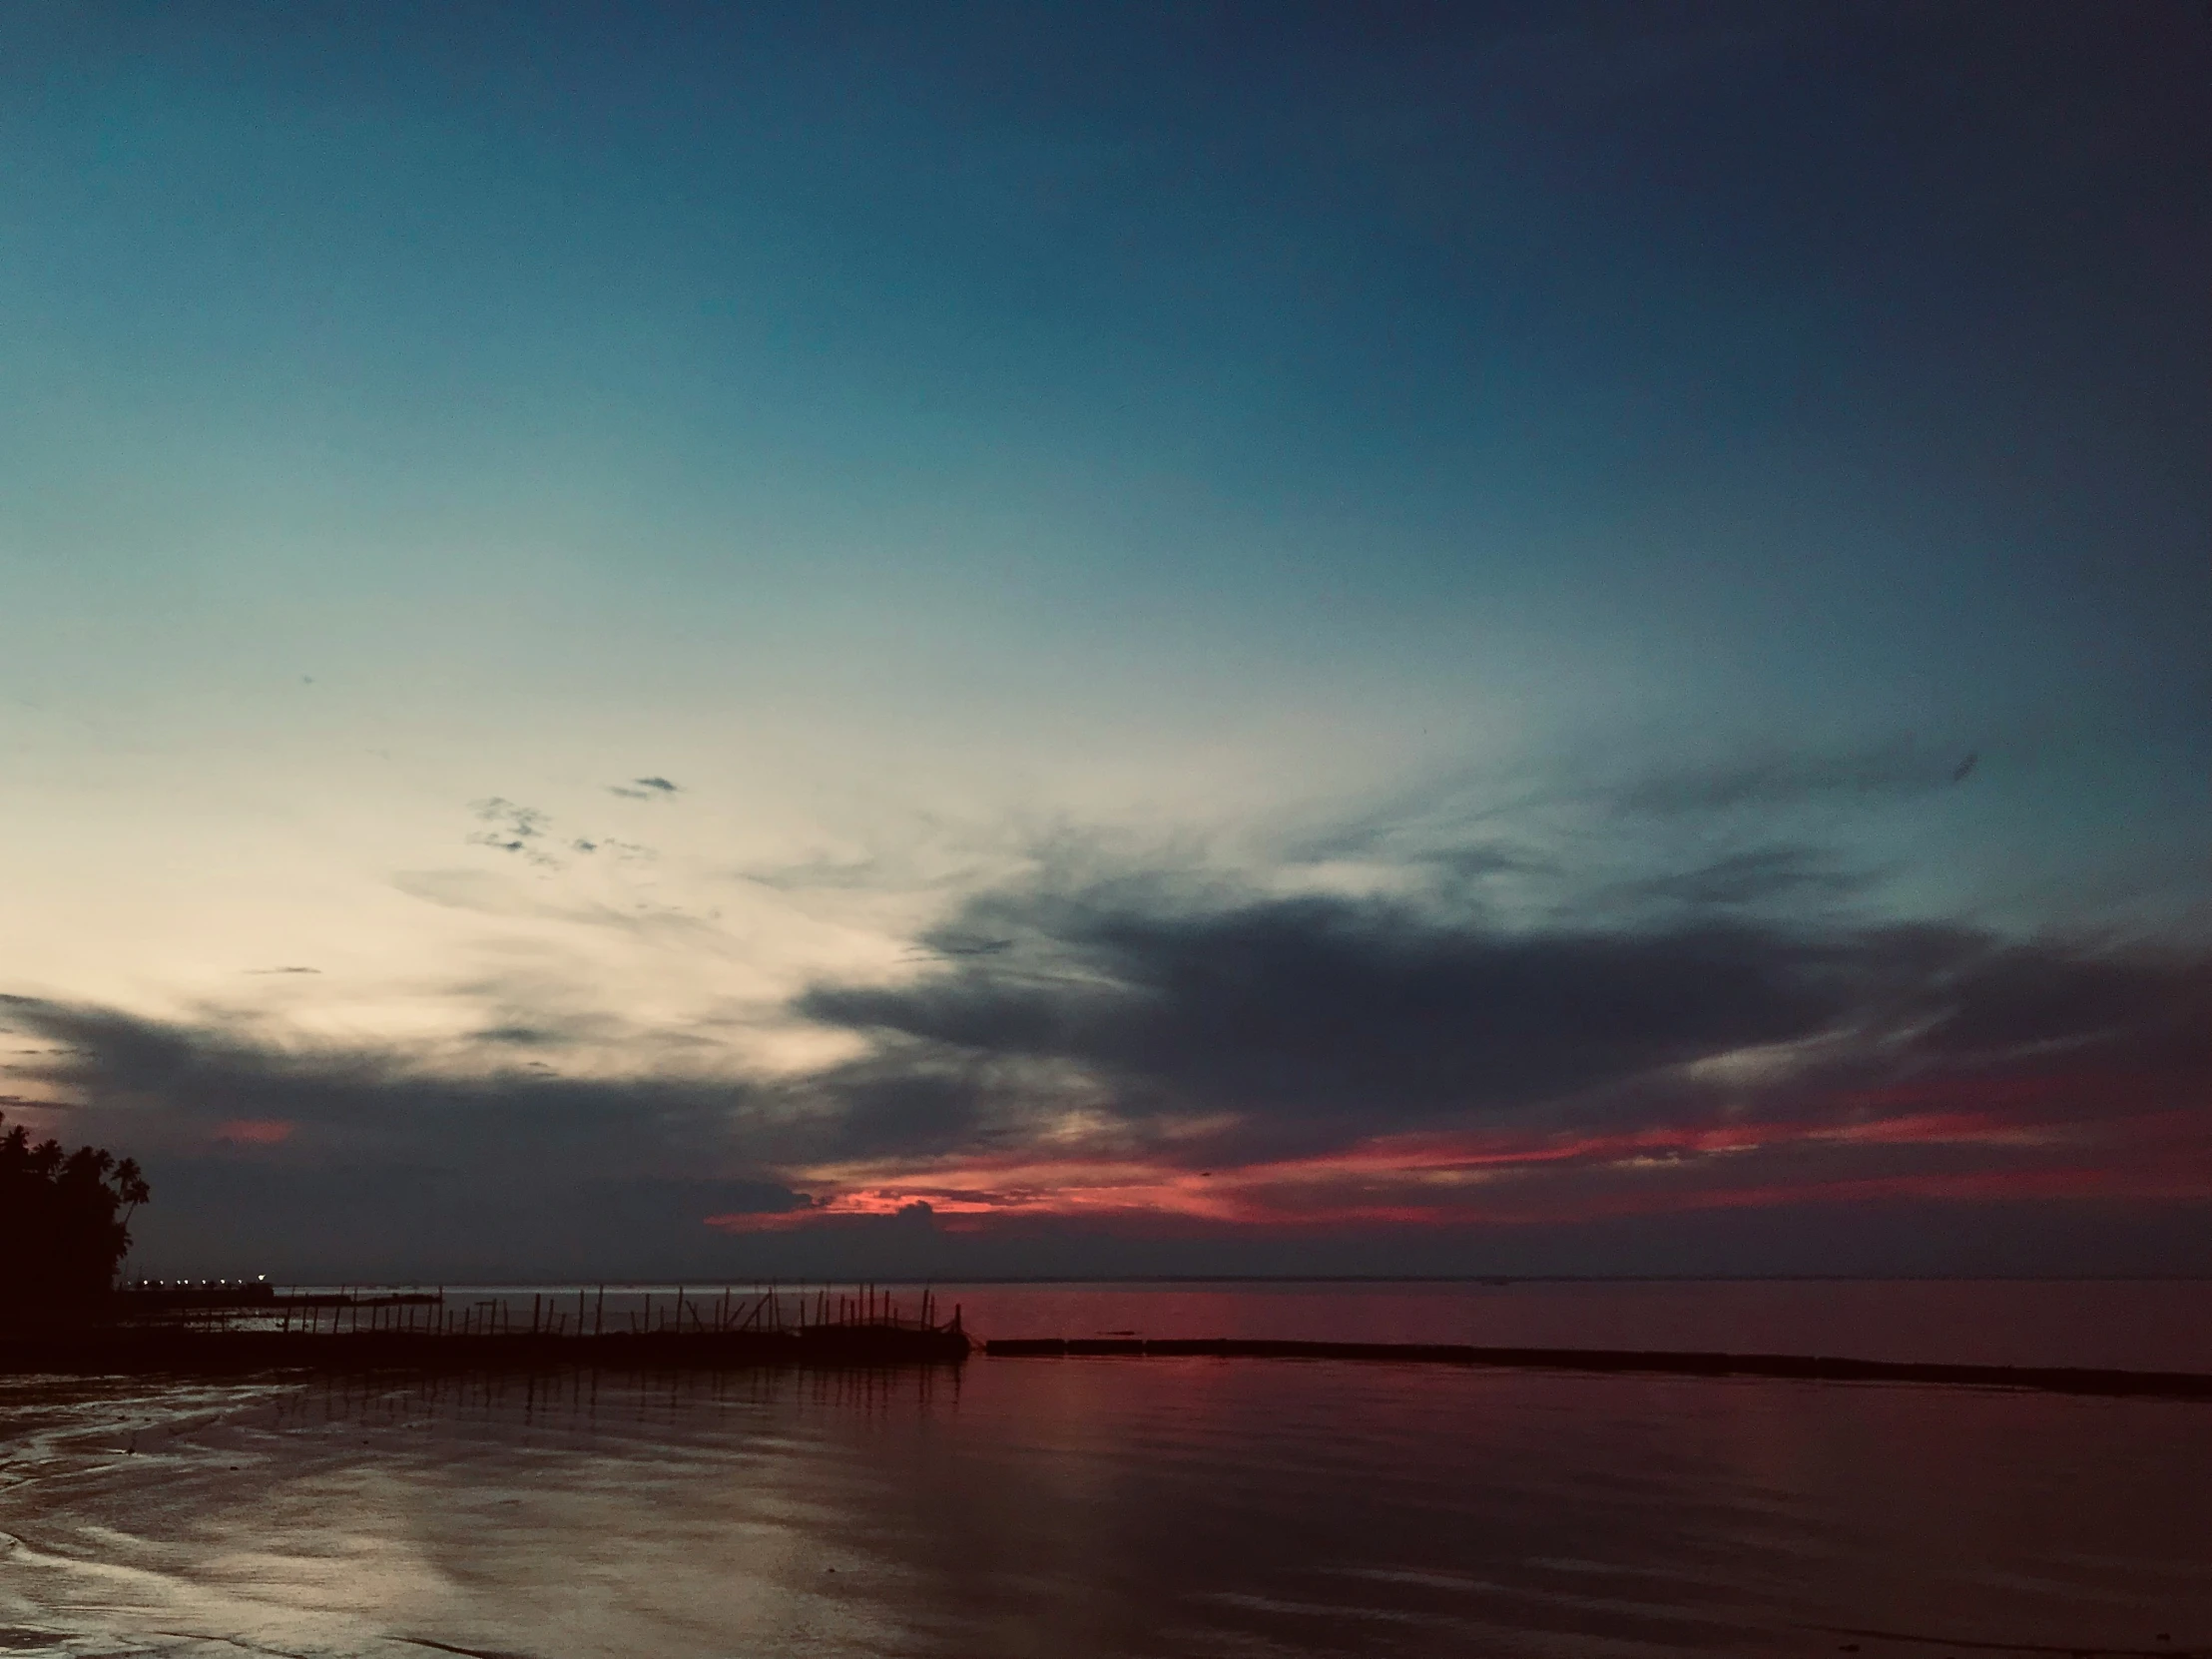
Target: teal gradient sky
[{"x": 994, "y": 450}]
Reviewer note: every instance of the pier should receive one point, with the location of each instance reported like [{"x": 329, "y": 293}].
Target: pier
[
  {"x": 237, "y": 1327},
  {"x": 425, "y": 1331}
]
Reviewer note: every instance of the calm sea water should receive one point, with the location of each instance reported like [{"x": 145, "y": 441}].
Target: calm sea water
[
  {"x": 2143, "y": 1324},
  {"x": 1143, "y": 1507}
]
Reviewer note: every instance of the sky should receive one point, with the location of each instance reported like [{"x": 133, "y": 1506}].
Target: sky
[{"x": 1130, "y": 639}]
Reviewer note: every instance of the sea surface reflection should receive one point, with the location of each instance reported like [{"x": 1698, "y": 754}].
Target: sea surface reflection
[
  {"x": 2142, "y": 1324},
  {"x": 2139, "y": 1324},
  {"x": 1096, "y": 1508}
]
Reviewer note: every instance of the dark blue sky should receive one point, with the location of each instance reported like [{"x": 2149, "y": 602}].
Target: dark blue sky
[{"x": 994, "y": 460}]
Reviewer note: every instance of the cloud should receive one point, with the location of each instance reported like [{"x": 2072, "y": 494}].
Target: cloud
[
  {"x": 512, "y": 828},
  {"x": 945, "y": 946},
  {"x": 1801, "y": 833},
  {"x": 823, "y": 872},
  {"x": 524, "y": 1036},
  {"x": 1472, "y": 863},
  {"x": 1762, "y": 876},
  {"x": 26, "y": 1103},
  {"x": 254, "y": 1131},
  {"x": 1327, "y": 1006},
  {"x": 645, "y": 788},
  {"x": 1785, "y": 780},
  {"x": 375, "y": 1161},
  {"x": 488, "y": 894},
  {"x": 622, "y": 851},
  {"x": 902, "y": 871},
  {"x": 1338, "y": 1061},
  {"x": 268, "y": 970},
  {"x": 469, "y": 889},
  {"x": 1145, "y": 1051}
]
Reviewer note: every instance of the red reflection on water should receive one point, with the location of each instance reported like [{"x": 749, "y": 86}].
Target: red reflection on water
[
  {"x": 1098, "y": 1509},
  {"x": 2139, "y": 1324}
]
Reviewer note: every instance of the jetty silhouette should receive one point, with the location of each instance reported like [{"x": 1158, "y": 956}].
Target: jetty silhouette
[
  {"x": 229, "y": 1329},
  {"x": 249, "y": 1326}
]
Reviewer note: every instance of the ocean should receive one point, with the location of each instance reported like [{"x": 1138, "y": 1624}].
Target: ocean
[{"x": 1158, "y": 1506}]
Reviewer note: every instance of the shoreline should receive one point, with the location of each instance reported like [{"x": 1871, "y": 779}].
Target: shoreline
[
  {"x": 126, "y": 1351},
  {"x": 2070, "y": 1379}
]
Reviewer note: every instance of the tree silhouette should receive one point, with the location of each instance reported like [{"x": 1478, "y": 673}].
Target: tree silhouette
[{"x": 64, "y": 1224}]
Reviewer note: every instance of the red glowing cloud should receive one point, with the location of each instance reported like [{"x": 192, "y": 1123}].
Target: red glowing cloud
[
  {"x": 1966, "y": 1139},
  {"x": 253, "y": 1131}
]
